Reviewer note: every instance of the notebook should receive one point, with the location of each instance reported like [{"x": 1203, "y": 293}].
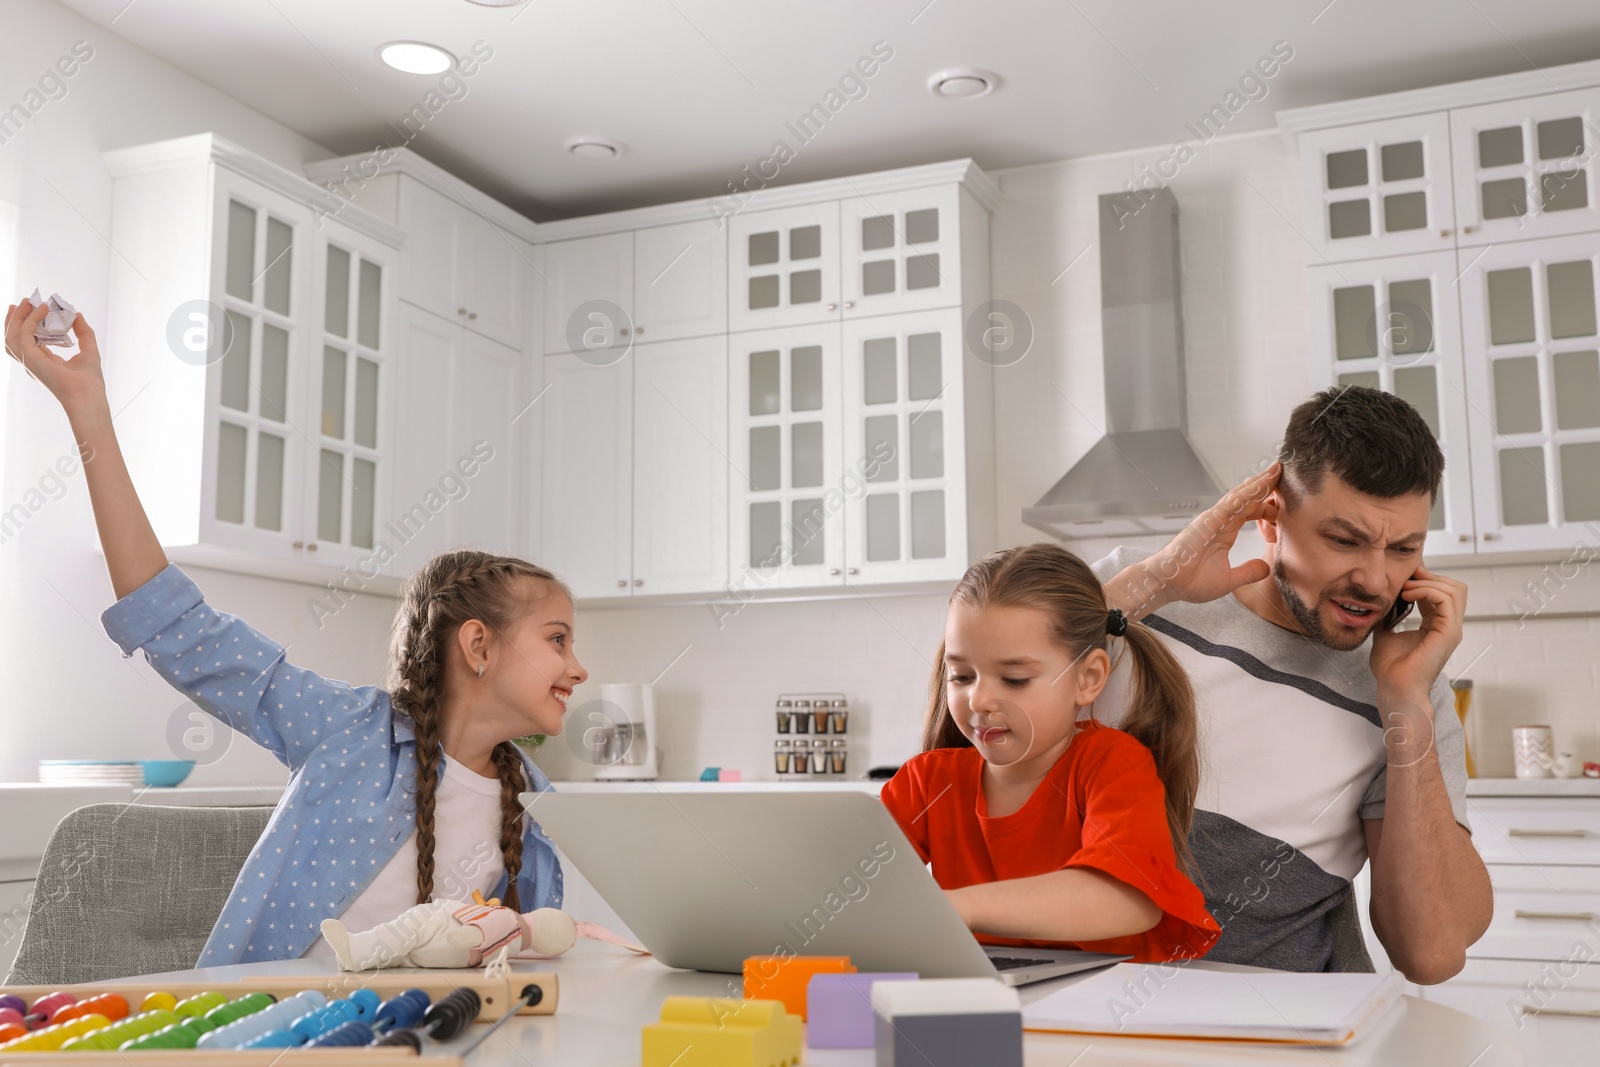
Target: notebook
[{"x": 1174, "y": 1000}]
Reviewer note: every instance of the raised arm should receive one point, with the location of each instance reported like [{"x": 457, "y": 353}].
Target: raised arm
[
  {"x": 133, "y": 554},
  {"x": 1194, "y": 565}
]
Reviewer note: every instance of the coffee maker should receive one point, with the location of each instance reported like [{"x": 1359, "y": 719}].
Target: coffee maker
[{"x": 626, "y": 747}]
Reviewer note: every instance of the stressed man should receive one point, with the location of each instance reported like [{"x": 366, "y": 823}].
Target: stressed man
[{"x": 1326, "y": 737}]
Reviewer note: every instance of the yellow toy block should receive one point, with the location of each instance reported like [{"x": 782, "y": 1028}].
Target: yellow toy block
[{"x": 722, "y": 1032}]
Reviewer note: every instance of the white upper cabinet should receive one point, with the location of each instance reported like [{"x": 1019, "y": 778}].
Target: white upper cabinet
[
  {"x": 783, "y": 267},
  {"x": 587, "y": 281},
  {"x": 587, "y": 509},
  {"x": 1378, "y": 189},
  {"x": 900, "y": 251},
  {"x": 1394, "y": 324},
  {"x": 1533, "y": 390},
  {"x": 462, "y": 266},
  {"x": 680, "y": 281},
  {"x": 1526, "y": 168},
  {"x": 904, "y": 396},
  {"x": 252, "y": 323}
]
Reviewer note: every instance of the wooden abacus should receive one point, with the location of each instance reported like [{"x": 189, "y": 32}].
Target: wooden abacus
[{"x": 496, "y": 995}]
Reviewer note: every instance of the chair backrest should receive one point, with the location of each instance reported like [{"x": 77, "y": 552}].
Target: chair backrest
[{"x": 128, "y": 889}]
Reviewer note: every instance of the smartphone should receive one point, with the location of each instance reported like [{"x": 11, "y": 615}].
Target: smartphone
[{"x": 1397, "y": 611}]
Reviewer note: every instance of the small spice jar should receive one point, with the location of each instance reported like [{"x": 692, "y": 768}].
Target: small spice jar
[
  {"x": 801, "y": 719},
  {"x": 819, "y": 756},
  {"x": 839, "y": 716},
  {"x": 785, "y": 710},
  {"x": 782, "y": 756},
  {"x": 836, "y": 756},
  {"x": 802, "y": 758},
  {"x": 819, "y": 717}
]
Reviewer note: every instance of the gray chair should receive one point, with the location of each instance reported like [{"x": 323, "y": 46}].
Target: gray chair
[{"x": 128, "y": 889}]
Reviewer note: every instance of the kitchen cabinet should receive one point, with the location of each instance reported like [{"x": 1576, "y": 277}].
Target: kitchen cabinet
[
  {"x": 459, "y": 463},
  {"x": 1378, "y": 189},
  {"x": 254, "y": 384},
  {"x": 1533, "y": 390},
  {"x": 636, "y": 469},
  {"x": 1394, "y": 324},
  {"x": 1525, "y": 168},
  {"x": 463, "y": 267},
  {"x": 668, "y": 282},
  {"x": 1534, "y": 972}
]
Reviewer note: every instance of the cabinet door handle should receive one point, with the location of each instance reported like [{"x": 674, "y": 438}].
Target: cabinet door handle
[
  {"x": 1464, "y": 537},
  {"x": 832, "y": 307},
  {"x": 833, "y": 570},
  {"x": 1582, "y": 1013},
  {"x": 638, "y": 330},
  {"x": 1577, "y": 916},
  {"x": 299, "y": 544},
  {"x": 1469, "y": 229},
  {"x": 849, "y": 303},
  {"x": 461, "y": 311},
  {"x": 473, "y": 315},
  {"x": 855, "y": 570},
  {"x": 638, "y": 581},
  {"x": 311, "y": 546},
  {"x": 1514, "y": 832},
  {"x": 1444, "y": 233},
  {"x": 622, "y": 583},
  {"x": 1490, "y": 536}
]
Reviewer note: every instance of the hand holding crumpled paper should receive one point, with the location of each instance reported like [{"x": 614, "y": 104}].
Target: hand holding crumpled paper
[{"x": 56, "y": 329}]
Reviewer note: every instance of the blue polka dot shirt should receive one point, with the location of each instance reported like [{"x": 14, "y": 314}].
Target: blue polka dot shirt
[{"x": 350, "y": 803}]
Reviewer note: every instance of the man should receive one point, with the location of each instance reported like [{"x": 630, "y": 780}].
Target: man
[{"x": 1316, "y": 753}]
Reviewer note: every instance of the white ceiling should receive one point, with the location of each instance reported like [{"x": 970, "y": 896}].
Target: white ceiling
[{"x": 698, "y": 89}]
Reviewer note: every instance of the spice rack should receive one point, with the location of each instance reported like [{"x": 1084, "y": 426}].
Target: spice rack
[{"x": 813, "y": 737}]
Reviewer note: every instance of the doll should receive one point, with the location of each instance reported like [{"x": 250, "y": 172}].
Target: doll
[{"x": 461, "y": 933}]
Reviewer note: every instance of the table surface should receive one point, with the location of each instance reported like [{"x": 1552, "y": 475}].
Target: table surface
[{"x": 608, "y": 995}]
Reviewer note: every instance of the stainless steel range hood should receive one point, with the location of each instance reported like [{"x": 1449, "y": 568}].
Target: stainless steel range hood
[{"x": 1143, "y": 476}]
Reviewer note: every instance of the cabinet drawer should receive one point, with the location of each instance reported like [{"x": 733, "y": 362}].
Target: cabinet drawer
[
  {"x": 1541, "y": 830},
  {"x": 1552, "y": 1009},
  {"x": 1541, "y": 913}
]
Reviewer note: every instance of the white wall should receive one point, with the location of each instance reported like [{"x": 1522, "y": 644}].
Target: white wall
[{"x": 70, "y": 695}]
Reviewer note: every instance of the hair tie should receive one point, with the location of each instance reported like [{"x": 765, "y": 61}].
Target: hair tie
[{"x": 1116, "y": 622}]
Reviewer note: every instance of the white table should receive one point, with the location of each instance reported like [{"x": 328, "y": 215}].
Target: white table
[{"x": 608, "y": 995}]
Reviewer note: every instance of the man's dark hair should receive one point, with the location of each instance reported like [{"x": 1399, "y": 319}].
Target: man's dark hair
[{"x": 1374, "y": 441}]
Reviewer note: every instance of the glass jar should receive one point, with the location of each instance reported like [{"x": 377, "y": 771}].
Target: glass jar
[
  {"x": 801, "y": 719},
  {"x": 782, "y": 756},
  {"x": 802, "y": 758},
  {"x": 819, "y": 717},
  {"x": 785, "y": 710},
  {"x": 839, "y": 716},
  {"x": 836, "y": 756},
  {"x": 819, "y": 756}
]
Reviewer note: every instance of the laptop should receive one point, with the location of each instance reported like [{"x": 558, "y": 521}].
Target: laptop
[{"x": 706, "y": 879}]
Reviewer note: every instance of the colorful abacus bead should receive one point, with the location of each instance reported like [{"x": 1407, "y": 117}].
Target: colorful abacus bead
[
  {"x": 11, "y": 1031},
  {"x": 178, "y": 1035},
  {"x": 276, "y": 1016},
  {"x": 401, "y": 1012},
  {"x": 345, "y": 1035},
  {"x": 234, "y": 1010},
  {"x": 40, "y": 1011},
  {"x": 198, "y": 1004},
  {"x": 11, "y": 1015},
  {"x": 52, "y": 1038},
  {"x": 275, "y": 1039},
  {"x": 158, "y": 1002},
  {"x": 109, "y": 1037},
  {"x": 113, "y": 1006},
  {"x": 14, "y": 1002}
]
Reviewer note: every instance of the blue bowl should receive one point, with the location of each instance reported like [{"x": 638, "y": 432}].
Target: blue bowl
[{"x": 165, "y": 772}]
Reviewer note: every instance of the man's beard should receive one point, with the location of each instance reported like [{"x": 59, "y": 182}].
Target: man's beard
[{"x": 1309, "y": 618}]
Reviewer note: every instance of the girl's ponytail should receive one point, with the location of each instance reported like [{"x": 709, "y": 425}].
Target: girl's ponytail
[
  {"x": 1161, "y": 711},
  {"x": 1161, "y": 716}
]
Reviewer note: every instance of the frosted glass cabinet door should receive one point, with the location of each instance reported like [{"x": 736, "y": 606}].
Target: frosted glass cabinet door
[
  {"x": 1533, "y": 385},
  {"x": 350, "y": 432},
  {"x": 788, "y": 499},
  {"x": 1378, "y": 189},
  {"x": 1394, "y": 324},
  {"x": 256, "y": 390},
  {"x": 900, "y": 251},
  {"x": 1526, "y": 168},
  {"x": 783, "y": 267},
  {"x": 680, "y": 466},
  {"x": 903, "y": 403}
]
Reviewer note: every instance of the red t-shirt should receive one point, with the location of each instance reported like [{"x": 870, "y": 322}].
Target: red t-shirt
[{"x": 1101, "y": 806}]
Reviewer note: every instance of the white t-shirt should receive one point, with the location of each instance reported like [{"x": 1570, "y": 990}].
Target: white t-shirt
[{"x": 466, "y": 854}]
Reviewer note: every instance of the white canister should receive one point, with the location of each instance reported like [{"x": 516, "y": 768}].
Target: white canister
[{"x": 1533, "y": 751}]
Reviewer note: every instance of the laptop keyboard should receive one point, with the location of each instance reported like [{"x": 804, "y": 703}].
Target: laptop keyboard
[{"x": 1012, "y": 963}]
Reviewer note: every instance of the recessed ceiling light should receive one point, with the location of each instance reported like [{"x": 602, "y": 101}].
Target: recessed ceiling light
[
  {"x": 593, "y": 148},
  {"x": 498, "y": 3},
  {"x": 414, "y": 57},
  {"x": 963, "y": 83}
]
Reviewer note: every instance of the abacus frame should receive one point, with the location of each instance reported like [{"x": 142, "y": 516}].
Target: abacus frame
[{"x": 496, "y": 995}]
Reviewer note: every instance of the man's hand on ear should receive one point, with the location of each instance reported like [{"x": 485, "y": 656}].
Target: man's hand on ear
[{"x": 1194, "y": 565}]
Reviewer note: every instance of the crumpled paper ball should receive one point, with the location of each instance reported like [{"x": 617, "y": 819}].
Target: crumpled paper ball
[{"x": 56, "y": 329}]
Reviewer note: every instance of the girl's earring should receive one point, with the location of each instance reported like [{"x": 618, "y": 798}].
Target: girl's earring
[{"x": 480, "y": 670}]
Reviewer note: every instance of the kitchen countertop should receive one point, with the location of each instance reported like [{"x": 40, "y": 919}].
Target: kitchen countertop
[{"x": 1533, "y": 787}]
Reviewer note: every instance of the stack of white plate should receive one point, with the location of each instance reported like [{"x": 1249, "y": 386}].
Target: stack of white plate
[{"x": 91, "y": 772}]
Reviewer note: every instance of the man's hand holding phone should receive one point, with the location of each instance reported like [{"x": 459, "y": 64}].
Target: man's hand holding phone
[{"x": 1406, "y": 662}]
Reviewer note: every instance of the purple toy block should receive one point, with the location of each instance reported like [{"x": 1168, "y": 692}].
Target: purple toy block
[{"x": 839, "y": 1008}]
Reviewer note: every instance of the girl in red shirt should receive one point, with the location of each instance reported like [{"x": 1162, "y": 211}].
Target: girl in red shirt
[{"x": 1044, "y": 829}]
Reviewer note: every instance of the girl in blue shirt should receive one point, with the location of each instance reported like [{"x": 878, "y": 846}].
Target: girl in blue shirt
[{"x": 481, "y": 654}]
